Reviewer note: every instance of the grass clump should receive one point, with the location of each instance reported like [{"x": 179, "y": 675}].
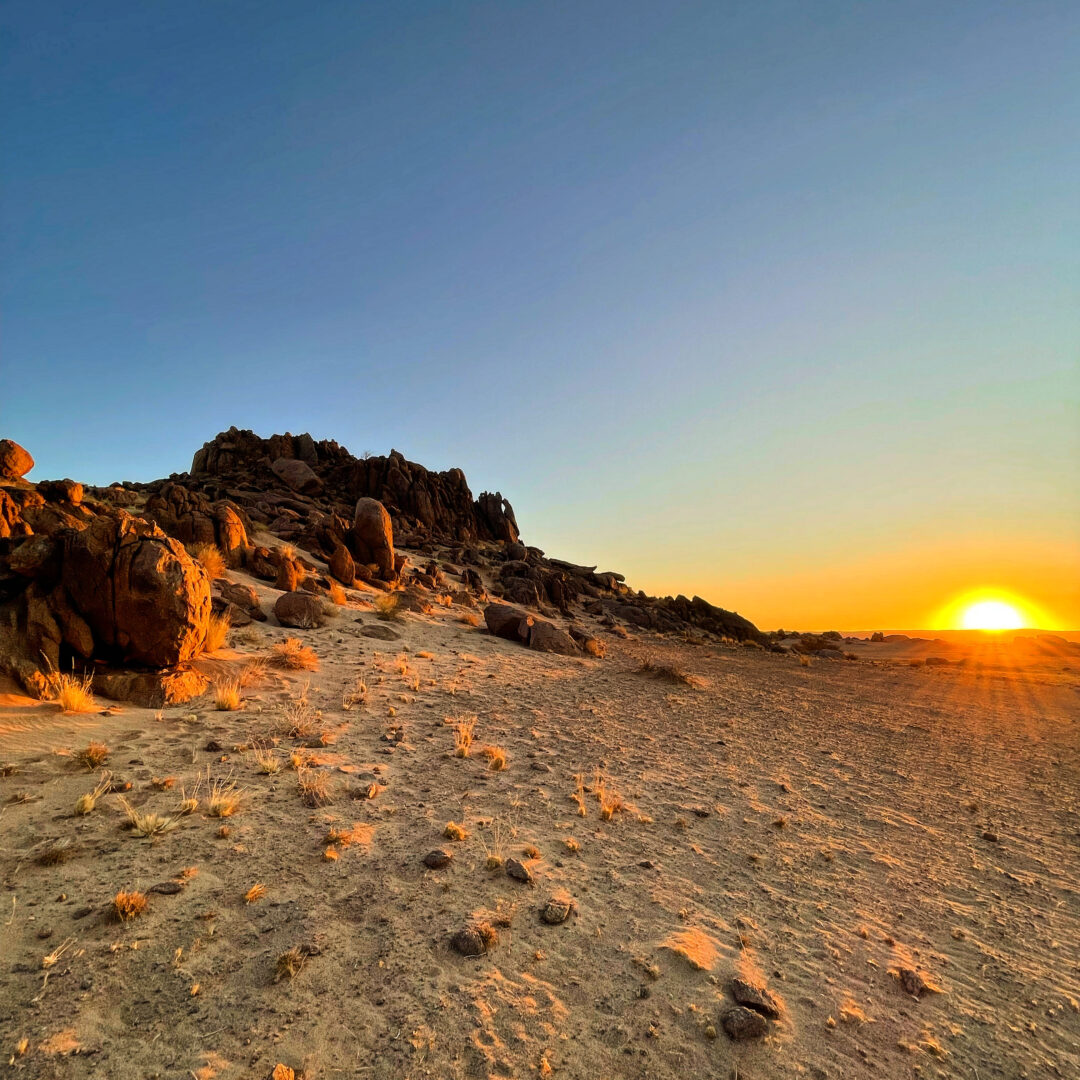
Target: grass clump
[
  {"x": 355, "y": 695},
  {"x": 217, "y": 629},
  {"x": 92, "y": 756},
  {"x": 227, "y": 695},
  {"x": 147, "y": 824},
  {"x": 463, "y": 735},
  {"x": 72, "y": 692},
  {"x": 224, "y": 799},
  {"x": 469, "y": 618},
  {"x": 255, "y": 893},
  {"x": 337, "y": 594},
  {"x": 267, "y": 760},
  {"x": 128, "y": 905},
  {"x": 294, "y": 655},
  {"x": 495, "y": 756},
  {"x": 289, "y": 964},
  {"x": 314, "y": 786},
  {"x": 209, "y": 557},
  {"x": 454, "y": 831},
  {"x": 386, "y": 607},
  {"x": 86, "y": 802}
]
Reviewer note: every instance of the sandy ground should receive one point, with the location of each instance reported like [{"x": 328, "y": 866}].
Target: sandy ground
[{"x": 816, "y": 829}]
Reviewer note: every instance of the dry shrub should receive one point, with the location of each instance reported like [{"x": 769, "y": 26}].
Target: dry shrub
[
  {"x": 210, "y": 558},
  {"x": 71, "y": 692},
  {"x": 255, "y": 893},
  {"x": 266, "y": 757},
  {"x": 314, "y": 786},
  {"x": 217, "y": 630},
  {"x": 386, "y": 607},
  {"x": 469, "y": 618},
  {"x": 86, "y": 802},
  {"x": 289, "y": 964},
  {"x": 358, "y": 833},
  {"x": 294, "y": 655},
  {"x": 668, "y": 673},
  {"x": 127, "y": 905},
  {"x": 148, "y": 824},
  {"x": 337, "y": 593},
  {"x": 804, "y": 660},
  {"x": 227, "y": 695},
  {"x": 463, "y": 735},
  {"x": 572, "y": 845},
  {"x": 495, "y": 756},
  {"x": 454, "y": 831},
  {"x": 92, "y": 756},
  {"x": 55, "y": 852},
  {"x": 357, "y": 695},
  {"x": 253, "y": 671},
  {"x": 224, "y": 798}
]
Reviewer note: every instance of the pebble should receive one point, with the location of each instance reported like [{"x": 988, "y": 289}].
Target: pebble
[{"x": 437, "y": 859}]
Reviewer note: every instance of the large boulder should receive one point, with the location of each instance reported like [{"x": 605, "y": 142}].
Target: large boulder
[
  {"x": 297, "y": 474},
  {"x": 508, "y": 622},
  {"x": 301, "y": 610},
  {"x": 547, "y": 637},
  {"x": 342, "y": 565},
  {"x": 372, "y": 537},
  {"x": 127, "y": 592},
  {"x": 15, "y": 462}
]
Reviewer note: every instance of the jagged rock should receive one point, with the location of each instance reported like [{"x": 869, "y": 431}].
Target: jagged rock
[
  {"x": 741, "y": 1023},
  {"x": 194, "y": 519},
  {"x": 297, "y": 474},
  {"x": 11, "y": 522},
  {"x": 517, "y": 870},
  {"x": 243, "y": 597},
  {"x": 755, "y": 997},
  {"x": 372, "y": 537},
  {"x": 301, "y": 610},
  {"x": 15, "y": 462}
]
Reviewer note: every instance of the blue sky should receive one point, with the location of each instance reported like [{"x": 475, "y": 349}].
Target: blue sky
[{"x": 764, "y": 301}]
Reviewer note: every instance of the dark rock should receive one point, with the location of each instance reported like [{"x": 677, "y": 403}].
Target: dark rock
[
  {"x": 342, "y": 566},
  {"x": 166, "y": 888},
  {"x": 556, "y": 910},
  {"x": 297, "y": 474},
  {"x": 381, "y": 633},
  {"x": 437, "y": 859},
  {"x": 475, "y": 940},
  {"x": 518, "y": 871},
  {"x": 372, "y": 537},
  {"x": 508, "y": 622},
  {"x": 755, "y": 997},
  {"x": 301, "y": 610},
  {"x": 741, "y": 1023}
]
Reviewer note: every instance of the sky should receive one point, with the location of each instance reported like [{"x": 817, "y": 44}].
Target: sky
[{"x": 775, "y": 303}]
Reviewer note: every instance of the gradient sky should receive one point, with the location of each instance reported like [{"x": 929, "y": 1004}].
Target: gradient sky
[{"x": 778, "y": 303}]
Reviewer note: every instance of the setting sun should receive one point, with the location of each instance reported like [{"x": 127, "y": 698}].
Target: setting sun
[{"x": 991, "y": 615}]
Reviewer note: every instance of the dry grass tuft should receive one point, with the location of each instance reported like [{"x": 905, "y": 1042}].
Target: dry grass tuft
[
  {"x": 92, "y": 756},
  {"x": 495, "y": 756},
  {"x": 572, "y": 845},
  {"x": 454, "y": 831},
  {"x": 127, "y": 905},
  {"x": 337, "y": 594},
  {"x": 253, "y": 671},
  {"x": 289, "y": 964},
  {"x": 358, "y": 833},
  {"x": 227, "y": 695},
  {"x": 804, "y": 660},
  {"x": 147, "y": 824},
  {"x": 255, "y": 893},
  {"x": 668, "y": 673},
  {"x": 224, "y": 798},
  {"x": 210, "y": 558},
  {"x": 55, "y": 853},
  {"x": 314, "y": 786},
  {"x": 217, "y": 630},
  {"x": 386, "y": 607},
  {"x": 356, "y": 695},
  {"x": 72, "y": 693},
  {"x": 294, "y": 655},
  {"x": 86, "y": 802},
  {"x": 463, "y": 735},
  {"x": 469, "y": 618},
  {"x": 267, "y": 759},
  {"x": 188, "y": 803}
]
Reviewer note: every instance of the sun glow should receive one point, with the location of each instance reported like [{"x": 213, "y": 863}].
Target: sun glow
[
  {"x": 991, "y": 615},
  {"x": 990, "y": 609}
]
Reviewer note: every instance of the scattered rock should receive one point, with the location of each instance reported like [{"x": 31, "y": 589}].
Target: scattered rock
[
  {"x": 301, "y": 610},
  {"x": 991, "y": 836},
  {"x": 518, "y": 871},
  {"x": 437, "y": 859},
  {"x": 166, "y": 888},
  {"x": 742, "y": 1023},
  {"x": 755, "y": 997},
  {"x": 382, "y": 633},
  {"x": 556, "y": 910},
  {"x": 475, "y": 940},
  {"x": 915, "y": 983}
]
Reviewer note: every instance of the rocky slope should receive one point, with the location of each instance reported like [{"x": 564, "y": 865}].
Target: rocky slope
[{"x": 107, "y": 576}]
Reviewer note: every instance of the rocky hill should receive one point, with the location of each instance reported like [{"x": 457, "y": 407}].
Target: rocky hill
[{"x": 118, "y": 578}]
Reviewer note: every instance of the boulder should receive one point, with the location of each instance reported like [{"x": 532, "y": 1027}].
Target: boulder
[
  {"x": 297, "y": 474},
  {"x": 342, "y": 566},
  {"x": 547, "y": 637},
  {"x": 301, "y": 610},
  {"x": 69, "y": 491},
  {"x": 138, "y": 593},
  {"x": 150, "y": 689},
  {"x": 508, "y": 622},
  {"x": 15, "y": 462},
  {"x": 372, "y": 537},
  {"x": 243, "y": 597}
]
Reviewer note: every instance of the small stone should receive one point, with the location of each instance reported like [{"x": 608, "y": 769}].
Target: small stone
[
  {"x": 556, "y": 910},
  {"x": 437, "y": 859},
  {"x": 166, "y": 888},
  {"x": 518, "y": 871},
  {"x": 755, "y": 997},
  {"x": 214, "y": 747},
  {"x": 991, "y": 836},
  {"x": 742, "y": 1023},
  {"x": 475, "y": 940},
  {"x": 915, "y": 983}
]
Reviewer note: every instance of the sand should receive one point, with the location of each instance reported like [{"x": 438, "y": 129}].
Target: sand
[{"x": 841, "y": 834}]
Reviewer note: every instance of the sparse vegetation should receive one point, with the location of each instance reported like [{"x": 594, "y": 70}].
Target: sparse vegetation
[
  {"x": 72, "y": 692},
  {"x": 337, "y": 594},
  {"x": 668, "y": 673},
  {"x": 148, "y": 824},
  {"x": 128, "y": 905},
  {"x": 224, "y": 798},
  {"x": 355, "y": 695},
  {"x": 267, "y": 760},
  {"x": 387, "y": 607},
  {"x": 227, "y": 695},
  {"x": 463, "y": 735},
  {"x": 469, "y": 618},
  {"x": 495, "y": 756},
  {"x": 217, "y": 630},
  {"x": 454, "y": 831},
  {"x": 314, "y": 786},
  {"x": 87, "y": 801},
  {"x": 92, "y": 756},
  {"x": 210, "y": 558},
  {"x": 293, "y": 655},
  {"x": 289, "y": 964},
  {"x": 255, "y": 893}
]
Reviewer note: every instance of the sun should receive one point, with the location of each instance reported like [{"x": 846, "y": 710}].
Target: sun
[{"x": 991, "y": 615}]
